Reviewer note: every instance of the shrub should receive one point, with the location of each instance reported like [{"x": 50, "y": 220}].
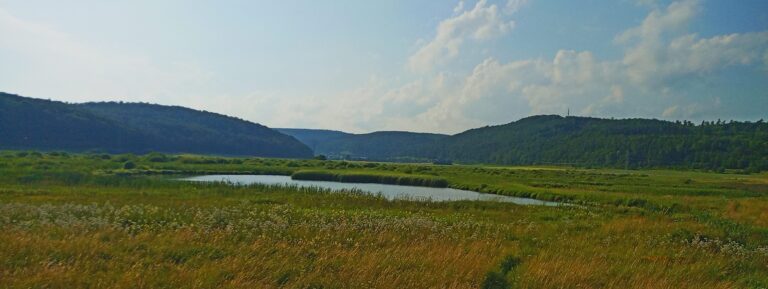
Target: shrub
[
  {"x": 315, "y": 176},
  {"x": 509, "y": 263},
  {"x": 635, "y": 202},
  {"x": 495, "y": 280},
  {"x": 421, "y": 181},
  {"x": 129, "y": 165},
  {"x": 156, "y": 157},
  {"x": 123, "y": 157}
]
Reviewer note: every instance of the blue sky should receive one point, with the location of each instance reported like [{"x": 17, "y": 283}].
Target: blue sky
[{"x": 361, "y": 66}]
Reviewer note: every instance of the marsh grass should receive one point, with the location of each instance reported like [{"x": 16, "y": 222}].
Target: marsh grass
[
  {"x": 82, "y": 221},
  {"x": 251, "y": 242},
  {"x": 368, "y": 177},
  {"x": 654, "y": 257}
]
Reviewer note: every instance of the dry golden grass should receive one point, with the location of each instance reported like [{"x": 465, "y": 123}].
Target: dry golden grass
[
  {"x": 396, "y": 255},
  {"x": 80, "y": 227},
  {"x": 631, "y": 253},
  {"x": 752, "y": 211}
]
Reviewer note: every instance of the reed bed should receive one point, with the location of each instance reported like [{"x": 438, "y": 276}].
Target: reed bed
[{"x": 360, "y": 177}]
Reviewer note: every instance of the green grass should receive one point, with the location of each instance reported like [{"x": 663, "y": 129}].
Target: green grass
[
  {"x": 367, "y": 177},
  {"x": 79, "y": 220}
]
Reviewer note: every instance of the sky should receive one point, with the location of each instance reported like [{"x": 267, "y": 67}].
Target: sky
[{"x": 427, "y": 66}]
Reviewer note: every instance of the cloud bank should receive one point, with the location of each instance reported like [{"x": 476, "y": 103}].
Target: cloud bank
[
  {"x": 483, "y": 22},
  {"x": 663, "y": 70},
  {"x": 658, "y": 56}
]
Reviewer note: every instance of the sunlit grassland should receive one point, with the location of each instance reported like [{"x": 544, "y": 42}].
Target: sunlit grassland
[
  {"x": 245, "y": 237},
  {"x": 86, "y": 221}
]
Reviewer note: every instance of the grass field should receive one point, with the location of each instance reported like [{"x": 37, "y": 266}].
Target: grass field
[{"x": 122, "y": 221}]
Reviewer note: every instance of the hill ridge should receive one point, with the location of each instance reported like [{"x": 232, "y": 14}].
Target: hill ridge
[{"x": 30, "y": 123}]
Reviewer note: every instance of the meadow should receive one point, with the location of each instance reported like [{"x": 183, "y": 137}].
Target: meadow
[{"x": 125, "y": 221}]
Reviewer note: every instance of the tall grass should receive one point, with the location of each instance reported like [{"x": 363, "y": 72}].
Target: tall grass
[
  {"x": 214, "y": 235},
  {"x": 72, "y": 220}
]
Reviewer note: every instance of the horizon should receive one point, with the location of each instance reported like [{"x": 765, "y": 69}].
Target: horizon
[
  {"x": 438, "y": 67},
  {"x": 724, "y": 121}
]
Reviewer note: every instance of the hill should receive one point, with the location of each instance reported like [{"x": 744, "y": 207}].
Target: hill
[
  {"x": 28, "y": 123},
  {"x": 316, "y": 139},
  {"x": 552, "y": 139},
  {"x": 381, "y": 146},
  {"x": 584, "y": 141}
]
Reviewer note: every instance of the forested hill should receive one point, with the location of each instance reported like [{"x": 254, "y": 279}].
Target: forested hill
[
  {"x": 381, "y": 146},
  {"x": 630, "y": 143},
  {"x": 551, "y": 139},
  {"x": 319, "y": 140},
  {"x": 28, "y": 123}
]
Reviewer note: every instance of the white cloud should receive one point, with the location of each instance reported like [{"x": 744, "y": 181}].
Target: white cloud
[
  {"x": 665, "y": 52},
  {"x": 489, "y": 83},
  {"x": 572, "y": 66},
  {"x": 689, "y": 54},
  {"x": 686, "y": 111},
  {"x": 606, "y": 104},
  {"x": 670, "y": 111},
  {"x": 459, "y": 7},
  {"x": 661, "y": 51},
  {"x": 647, "y": 41},
  {"x": 514, "y": 5},
  {"x": 481, "y": 23},
  {"x": 674, "y": 17},
  {"x": 658, "y": 53}
]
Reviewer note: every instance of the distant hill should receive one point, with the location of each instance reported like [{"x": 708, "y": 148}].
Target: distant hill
[
  {"x": 28, "y": 123},
  {"x": 552, "y": 139},
  {"x": 382, "y": 146},
  {"x": 316, "y": 139}
]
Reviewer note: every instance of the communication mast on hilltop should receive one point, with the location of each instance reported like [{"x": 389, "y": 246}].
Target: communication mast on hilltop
[{"x": 567, "y": 114}]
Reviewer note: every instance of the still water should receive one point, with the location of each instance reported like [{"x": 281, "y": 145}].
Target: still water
[{"x": 388, "y": 191}]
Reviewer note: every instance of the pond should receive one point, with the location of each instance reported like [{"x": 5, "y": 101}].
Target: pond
[{"x": 388, "y": 191}]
